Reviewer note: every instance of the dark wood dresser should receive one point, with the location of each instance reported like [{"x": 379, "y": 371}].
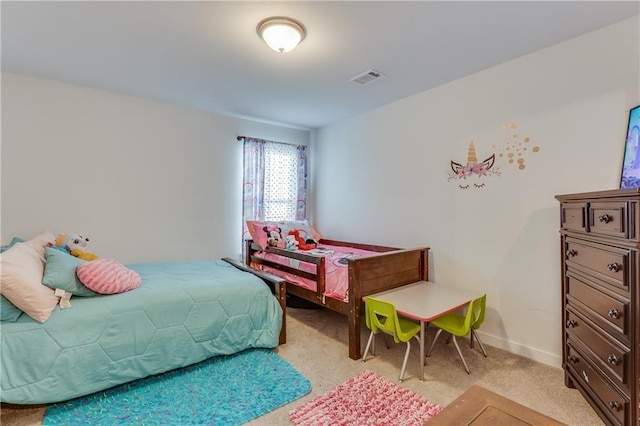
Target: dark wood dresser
[{"x": 600, "y": 300}]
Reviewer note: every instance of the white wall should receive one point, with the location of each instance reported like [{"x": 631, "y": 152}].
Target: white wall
[
  {"x": 145, "y": 181},
  {"x": 382, "y": 177}
]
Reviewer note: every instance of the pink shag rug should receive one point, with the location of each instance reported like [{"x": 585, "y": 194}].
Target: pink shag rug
[{"x": 366, "y": 399}]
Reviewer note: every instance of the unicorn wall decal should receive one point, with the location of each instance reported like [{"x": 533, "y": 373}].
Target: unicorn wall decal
[
  {"x": 473, "y": 167},
  {"x": 513, "y": 151}
]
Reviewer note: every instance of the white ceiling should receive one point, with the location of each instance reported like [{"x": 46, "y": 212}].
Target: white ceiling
[{"x": 207, "y": 55}]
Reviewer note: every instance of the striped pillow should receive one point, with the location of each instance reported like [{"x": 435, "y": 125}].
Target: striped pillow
[{"x": 107, "y": 276}]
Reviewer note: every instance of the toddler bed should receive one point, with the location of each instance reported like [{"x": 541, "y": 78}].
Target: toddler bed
[
  {"x": 182, "y": 313},
  {"x": 336, "y": 274}
]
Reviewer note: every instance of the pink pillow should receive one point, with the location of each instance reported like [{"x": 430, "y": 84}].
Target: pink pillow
[{"x": 107, "y": 276}]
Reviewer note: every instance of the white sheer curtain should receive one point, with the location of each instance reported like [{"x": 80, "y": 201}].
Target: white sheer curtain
[
  {"x": 280, "y": 182},
  {"x": 275, "y": 181}
]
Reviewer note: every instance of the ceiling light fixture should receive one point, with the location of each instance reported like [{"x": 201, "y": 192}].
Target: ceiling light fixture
[{"x": 282, "y": 34}]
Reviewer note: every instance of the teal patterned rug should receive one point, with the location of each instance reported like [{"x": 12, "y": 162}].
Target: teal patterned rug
[{"x": 224, "y": 390}]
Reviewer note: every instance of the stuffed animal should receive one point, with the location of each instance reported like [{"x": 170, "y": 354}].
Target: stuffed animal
[
  {"x": 274, "y": 236},
  {"x": 74, "y": 244},
  {"x": 69, "y": 242},
  {"x": 308, "y": 244},
  {"x": 290, "y": 242},
  {"x": 81, "y": 254}
]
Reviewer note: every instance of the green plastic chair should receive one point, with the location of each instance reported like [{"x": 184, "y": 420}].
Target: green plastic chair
[
  {"x": 382, "y": 316},
  {"x": 462, "y": 325},
  {"x": 475, "y": 324}
]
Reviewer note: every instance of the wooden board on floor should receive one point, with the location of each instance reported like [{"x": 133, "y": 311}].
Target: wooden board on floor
[{"x": 481, "y": 407}]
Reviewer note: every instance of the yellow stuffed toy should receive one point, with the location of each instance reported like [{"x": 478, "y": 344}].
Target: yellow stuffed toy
[
  {"x": 74, "y": 245},
  {"x": 81, "y": 254}
]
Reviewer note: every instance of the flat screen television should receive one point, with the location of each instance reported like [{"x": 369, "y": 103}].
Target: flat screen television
[{"x": 631, "y": 162}]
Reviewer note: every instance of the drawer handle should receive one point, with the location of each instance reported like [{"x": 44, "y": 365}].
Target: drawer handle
[
  {"x": 613, "y": 313},
  {"x": 585, "y": 376},
  {"x": 573, "y": 359},
  {"x": 613, "y": 267},
  {"x": 571, "y": 323},
  {"x": 614, "y": 405},
  {"x": 613, "y": 360},
  {"x": 605, "y": 218},
  {"x": 571, "y": 253}
]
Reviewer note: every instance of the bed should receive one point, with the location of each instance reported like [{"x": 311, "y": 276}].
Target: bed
[
  {"x": 183, "y": 313},
  {"x": 362, "y": 269}
]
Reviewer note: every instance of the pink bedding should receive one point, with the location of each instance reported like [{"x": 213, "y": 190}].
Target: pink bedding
[{"x": 336, "y": 270}]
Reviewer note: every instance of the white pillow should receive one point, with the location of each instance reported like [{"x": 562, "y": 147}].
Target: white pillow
[
  {"x": 21, "y": 272},
  {"x": 41, "y": 241}
]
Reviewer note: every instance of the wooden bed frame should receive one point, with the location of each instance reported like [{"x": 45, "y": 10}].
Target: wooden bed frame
[{"x": 391, "y": 268}]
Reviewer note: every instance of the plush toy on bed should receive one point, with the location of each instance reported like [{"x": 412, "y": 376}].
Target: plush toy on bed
[
  {"x": 290, "y": 242},
  {"x": 81, "y": 254},
  {"x": 303, "y": 244},
  {"x": 74, "y": 244},
  {"x": 274, "y": 236}
]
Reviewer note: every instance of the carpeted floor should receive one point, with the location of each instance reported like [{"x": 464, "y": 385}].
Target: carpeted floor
[{"x": 317, "y": 348}]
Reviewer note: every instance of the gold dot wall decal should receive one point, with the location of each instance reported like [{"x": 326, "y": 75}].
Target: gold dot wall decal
[
  {"x": 514, "y": 146},
  {"x": 514, "y": 150}
]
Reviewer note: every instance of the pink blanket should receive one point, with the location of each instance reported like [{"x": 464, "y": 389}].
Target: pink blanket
[{"x": 336, "y": 270}]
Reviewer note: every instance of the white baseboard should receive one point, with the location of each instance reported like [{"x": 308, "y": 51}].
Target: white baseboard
[{"x": 537, "y": 355}]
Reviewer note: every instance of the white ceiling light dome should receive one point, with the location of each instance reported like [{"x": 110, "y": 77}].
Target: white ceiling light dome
[{"x": 282, "y": 34}]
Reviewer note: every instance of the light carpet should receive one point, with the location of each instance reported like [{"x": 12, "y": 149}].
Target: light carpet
[
  {"x": 366, "y": 399},
  {"x": 224, "y": 390}
]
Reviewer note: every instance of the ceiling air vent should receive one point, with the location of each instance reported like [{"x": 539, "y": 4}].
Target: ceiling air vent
[{"x": 367, "y": 77}]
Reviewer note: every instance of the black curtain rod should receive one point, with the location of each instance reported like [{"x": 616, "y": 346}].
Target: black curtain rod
[{"x": 241, "y": 138}]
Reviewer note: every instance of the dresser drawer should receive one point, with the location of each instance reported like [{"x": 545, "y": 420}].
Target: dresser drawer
[
  {"x": 608, "y": 218},
  {"x": 612, "y": 358},
  {"x": 573, "y": 216},
  {"x": 606, "y": 263},
  {"x": 600, "y": 278},
  {"x": 614, "y": 405},
  {"x": 612, "y": 311}
]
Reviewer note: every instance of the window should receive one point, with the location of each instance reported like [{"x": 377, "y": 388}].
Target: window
[
  {"x": 280, "y": 181},
  {"x": 275, "y": 181}
]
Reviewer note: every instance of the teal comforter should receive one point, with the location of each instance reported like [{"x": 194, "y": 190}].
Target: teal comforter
[{"x": 183, "y": 313}]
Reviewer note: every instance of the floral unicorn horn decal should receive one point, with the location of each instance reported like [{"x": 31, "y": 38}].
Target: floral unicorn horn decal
[{"x": 472, "y": 167}]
